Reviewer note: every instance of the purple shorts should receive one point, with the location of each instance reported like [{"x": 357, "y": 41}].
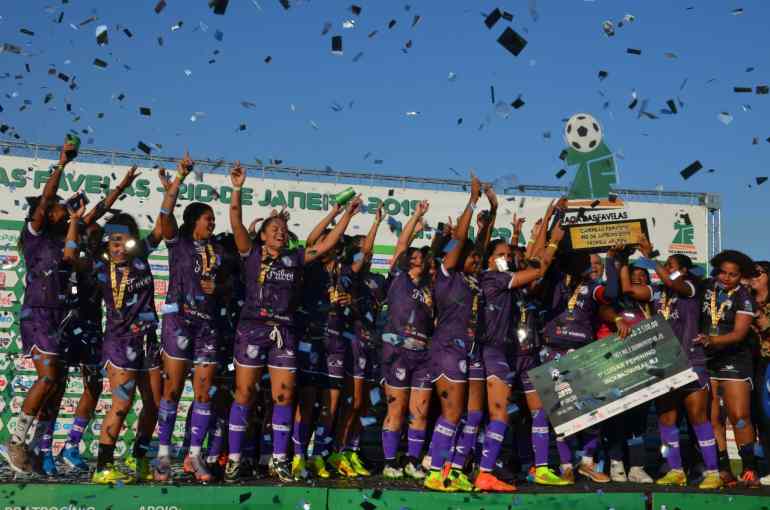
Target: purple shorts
[
  {"x": 84, "y": 344},
  {"x": 498, "y": 360},
  {"x": 309, "y": 358},
  {"x": 40, "y": 331},
  {"x": 335, "y": 347},
  {"x": 189, "y": 339},
  {"x": 258, "y": 344},
  {"x": 702, "y": 383},
  {"x": 524, "y": 363},
  {"x": 449, "y": 359},
  {"x": 405, "y": 368},
  {"x": 361, "y": 360},
  {"x": 132, "y": 352}
]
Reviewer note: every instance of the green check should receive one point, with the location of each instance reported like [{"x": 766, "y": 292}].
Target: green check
[{"x": 609, "y": 376}]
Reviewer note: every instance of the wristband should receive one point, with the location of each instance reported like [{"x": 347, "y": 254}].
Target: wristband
[
  {"x": 164, "y": 211},
  {"x": 530, "y": 242},
  {"x": 553, "y": 245},
  {"x": 71, "y": 244},
  {"x": 473, "y": 206},
  {"x": 237, "y": 188},
  {"x": 180, "y": 176}
]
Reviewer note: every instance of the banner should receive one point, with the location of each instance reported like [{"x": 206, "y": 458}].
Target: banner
[
  {"x": 609, "y": 376},
  {"x": 600, "y": 237},
  {"x": 684, "y": 226}
]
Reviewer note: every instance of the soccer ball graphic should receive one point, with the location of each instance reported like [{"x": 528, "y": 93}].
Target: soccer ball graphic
[{"x": 583, "y": 133}]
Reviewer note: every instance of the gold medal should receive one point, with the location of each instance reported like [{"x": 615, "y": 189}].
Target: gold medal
[
  {"x": 572, "y": 302},
  {"x": 118, "y": 291},
  {"x": 717, "y": 313}
]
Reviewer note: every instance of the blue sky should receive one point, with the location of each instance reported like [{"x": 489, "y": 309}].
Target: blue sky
[{"x": 556, "y": 75}]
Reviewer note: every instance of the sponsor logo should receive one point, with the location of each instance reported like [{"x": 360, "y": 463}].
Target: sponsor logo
[
  {"x": 7, "y": 298},
  {"x": 16, "y": 403},
  {"x": 24, "y": 364},
  {"x": 6, "y": 320},
  {"x": 6, "y": 337},
  {"x": 684, "y": 238},
  {"x": 9, "y": 260},
  {"x": 21, "y": 383},
  {"x": 5, "y": 361},
  {"x": 8, "y": 279}
]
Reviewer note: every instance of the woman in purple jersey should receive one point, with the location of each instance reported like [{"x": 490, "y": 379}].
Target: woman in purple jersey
[
  {"x": 457, "y": 307},
  {"x": 405, "y": 351},
  {"x": 265, "y": 334},
  {"x": 727, "y": 311},
  {"x": 41, "y": 242},
  {"x": 499, "y": 347},
  {"x": 189, "y": 335},
  {"x": 676, "y": 300},
  {"x": 130, "y": 345}
]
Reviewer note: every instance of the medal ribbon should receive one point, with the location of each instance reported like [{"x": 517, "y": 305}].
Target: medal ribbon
[
  {"x": 715, "y": 313},
  {"x": 208, "y": 258},
  {"x": 118, "y": 292},
  {"x": 573, "y": 300}
]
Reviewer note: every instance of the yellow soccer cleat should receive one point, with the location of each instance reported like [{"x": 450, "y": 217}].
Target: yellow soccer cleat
[
  {"x": 436, "y": 482},
  {"x": 674, "y": 477},
  {"x": 298, "y": 468},
  {"x": 317, "y": 466},
  {"x": 111, "y": 475},
  {"x": 711, "y": 481},
  {"x": 545, "y": 476},
  {"x": 356, "y": 463},
  {"x": 341, "y": 464}
]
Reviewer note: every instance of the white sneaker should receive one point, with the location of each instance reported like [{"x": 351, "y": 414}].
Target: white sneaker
[
  {"x": 426, "y": 463},
  {"x": 618, "y": 472},
  {"x": 637, "y": 474},
  {"x": 392, "y": 472},
  {"x": 765, "y": 480}
]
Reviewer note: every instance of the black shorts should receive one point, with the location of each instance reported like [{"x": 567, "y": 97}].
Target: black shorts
[{"x": 734, "y": 367}]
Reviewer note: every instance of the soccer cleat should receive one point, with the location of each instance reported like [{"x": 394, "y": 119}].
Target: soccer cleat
[
  {"x": 618, "y": 472},
  {"x": 637, "y": 474},
  {"x": 568, "y": 474},
  {"x": 143, "y": 470},
  {"x": 749, "y": 479},
  {"x": 18, "y": 457},
  {"x": 426, "y": 463},
  {"x": 392, "y": 472},
  {"x": 675, "y": 477},
  {"x": 437, "y": 482},
  {"x": 70, "y": 455},
  {"x": 232, "y": 471},
  {"x": 487, "y": 482},
  {"x": 195, "y": 466},
  {"x": 765, "y": 480},
  {"x": 414, "y": 469},
  {"x": 130, "y": 462},
  {"x": 356, "y": 463},
  {"x": 340, "y": 464},
  {"x": 317, "y": 466},
  {"x": 460, "y": 481},
  {"x": 545, "y": 476},
  {"x": 298, "y": 469},
  {"x": 728, "y": 479},
  {"x": 588, "y": 469},
  {"x": 48, "y": 464},
  {"x": 110, "y": 475},
  {"x": 280, "y": 468},
  {"x": 162, "y": 469},
  {"x": 711, "y": 480}
]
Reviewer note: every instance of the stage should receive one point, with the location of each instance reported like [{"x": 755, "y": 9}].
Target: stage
[{"x": 74, "y": 492}]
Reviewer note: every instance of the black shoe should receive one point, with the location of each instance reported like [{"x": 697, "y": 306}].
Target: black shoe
[
  {"x": 233, "y": 472},
  {"x": 281, "y": 468}
]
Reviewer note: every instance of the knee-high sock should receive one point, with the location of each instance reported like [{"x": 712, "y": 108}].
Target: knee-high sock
[
  {"x": 540, "y": 435},
  {"x": 199, "y": 425},
  {"x": 565, "y": 452},
  {"x": 166, "y": 421},
  {"x": 441, "y": 443},
  {"x": 670, "y": 437},
  {"x": 321, "y": 441},
  {"x": 416, "y": 440},
  {"x": 390, "y": 440},
  {"x": 493, "y": 442},
  {"x": 467, "y": 439},
  {"x": 217, "y": 436},
  {"x": 708, "y": 445},
  {"x": 299, "y": 437},
  {"x": 591, "y": 443},
  {"x": 76, "y": 431},
  {"x": 282, "y": 417},
  {"x": 237, "y": 430}
]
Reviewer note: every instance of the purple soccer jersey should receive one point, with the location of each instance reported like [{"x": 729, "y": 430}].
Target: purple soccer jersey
[
  {"x": 457, "y": 301},
  {"x": 46, "y": 280},
  {"x": 575, "y": 327},
  {"x": 190, "y": 261},
  {"x": 372, "y": 291},
  {"x": 410, "y": 308},
  {"x": 497, "y": 314},
  {"x": 729, "y": 305},
  {"x": 272, "y": 285},
  {"x": 683, "y": 314}
]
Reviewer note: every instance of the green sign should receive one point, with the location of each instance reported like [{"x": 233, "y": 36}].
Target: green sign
[{"x": 612, "y": 375}]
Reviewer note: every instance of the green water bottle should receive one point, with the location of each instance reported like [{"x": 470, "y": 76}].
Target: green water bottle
[
  {"x": 74, "y": 141},
  {"x": 344, "y": 197}
]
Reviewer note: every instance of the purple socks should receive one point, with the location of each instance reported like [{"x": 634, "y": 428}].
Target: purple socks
[
  {"x": 416, "y": 440},
  {"x": 493, "y": 441},
  {"x": 565, "y": 452},
  {"x": 390, "y": 442},
  {"x": 540, "y": 435},
  {"x": 236, "y": 430},
  {"x": 441, "y": 443},
  {"x": 467, "y": 438},
  {"x": 46, "y": 439},
  {"x": 299, "y": 437},
  {"x": 166, "y": 420},
  {"x": 282, "y": 417},
  {"x": 708, "y": 449},
  {"x": 199, "y": 425},
  {"x": 76, "y": 432},
  {"x": 321, "y": 442}
]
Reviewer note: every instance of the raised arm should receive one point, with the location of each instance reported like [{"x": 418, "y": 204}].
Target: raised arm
[
  {"x": 168, "y": 220},
  {"x": 368, "y": 246},
  {"x": 461, "y": 234},
  {"x": 485, "y": 233},
  {"x": 331, "y": 240},
  {"x": 405, "y": 239},
  {"x": 241, "y": 235},
  {"x": 71, "y": 245},
  {"x": 517, "y": 224},
  {"x": 106, "y": 204},
  {"x": 315, "y": 234},
  {"x": 38, "y": 218},
  {"x": 675, "y": 281},
  {"x": 546, "y": 256}
]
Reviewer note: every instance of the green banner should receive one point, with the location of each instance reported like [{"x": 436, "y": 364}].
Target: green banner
[{"x": 612, "y": 375}]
